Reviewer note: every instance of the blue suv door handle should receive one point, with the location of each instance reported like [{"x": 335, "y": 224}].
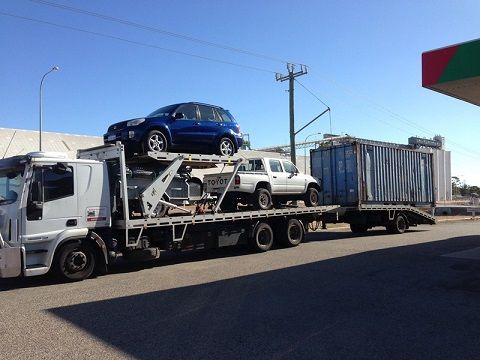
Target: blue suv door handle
[{"x": 196, "y": 123}]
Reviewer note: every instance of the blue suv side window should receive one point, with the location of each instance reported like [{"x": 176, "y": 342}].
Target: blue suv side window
[
  {"x": 189, "y": 112},
  {"x": 207, "y": 113},
  {"x": 223, "y": 115}
]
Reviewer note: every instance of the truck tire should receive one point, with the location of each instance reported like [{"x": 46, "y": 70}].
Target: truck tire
[
  {"x": 398, "y": 225},
  {"x": 292, "y": 234},
  {"x": 262, "y": 200},
  {"x": 74, "y": 261},
  {"x": 225, "y": 147},
  {"x": 155, "y": 141},
  {"x": 311, "y": 197},
  {"x": 358, "y": 228},
  {"x": 262, "y": 239}
]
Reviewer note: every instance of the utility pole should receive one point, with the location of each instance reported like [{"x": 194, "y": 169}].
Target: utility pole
[{"x": 291, "y": 78}]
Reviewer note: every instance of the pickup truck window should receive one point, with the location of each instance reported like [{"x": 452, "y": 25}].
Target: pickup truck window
[
  {"x": 275, "y": 166},
  {"x": 289, "y": 167},
  {"x": 252, "y": 165}
]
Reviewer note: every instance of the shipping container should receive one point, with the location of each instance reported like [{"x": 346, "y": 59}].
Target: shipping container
[{"x": 360, "y": 172}]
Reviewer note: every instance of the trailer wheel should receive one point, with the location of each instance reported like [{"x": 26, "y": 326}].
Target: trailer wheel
[
  {"x": 262, "y": 200},
  {"x": 311, "y": 197},
  {"x": 358, "y": 228},
  {"x": 262, "y": 239},
  {"x": 398, "y": 225},
  {"x": 293, "y": 233},
  {"x": 74, "y": 261}
]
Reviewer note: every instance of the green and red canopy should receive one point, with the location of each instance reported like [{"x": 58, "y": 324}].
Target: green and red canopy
[{"x": 454, "y": 71}]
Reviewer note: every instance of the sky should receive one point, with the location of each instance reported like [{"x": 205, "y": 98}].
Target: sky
[{"x": 363, "y": 59}]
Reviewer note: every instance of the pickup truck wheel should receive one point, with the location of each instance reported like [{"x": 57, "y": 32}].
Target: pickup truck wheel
[
  {"x": 155, "y": 141},
  {"x": 226, "y": 147},
  {"x": 311, "y": 197},
  {"x": 262, "y": 239},
  {"x": 262, "y": 200},
  {"x": 74, "y": 261},
  {"x": 293, "y": 233}
]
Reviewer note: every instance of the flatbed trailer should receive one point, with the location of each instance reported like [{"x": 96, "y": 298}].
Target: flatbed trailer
[
  {"x": 75, "y": 216},
  {"x": 396, "y": 218}
]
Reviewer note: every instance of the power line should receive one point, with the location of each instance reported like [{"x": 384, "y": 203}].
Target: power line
[
  {"x": 396, "y": 116},
  {"x": 311, "y": 93},
  {"x": 157, "y": 30},
  {"x": 136, "y": 42}
]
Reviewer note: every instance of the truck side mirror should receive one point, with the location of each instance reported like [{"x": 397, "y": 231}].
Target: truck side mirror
[{"x": 60, "y": 168}]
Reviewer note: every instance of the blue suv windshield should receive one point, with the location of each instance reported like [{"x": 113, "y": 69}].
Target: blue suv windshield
[{"x": 163, "y": 111}]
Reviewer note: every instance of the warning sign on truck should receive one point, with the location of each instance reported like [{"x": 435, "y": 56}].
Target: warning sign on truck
[{"x": 96, "y": 214}]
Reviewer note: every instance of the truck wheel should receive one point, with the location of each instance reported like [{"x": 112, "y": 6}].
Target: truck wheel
[
  {"x": 293, "y": 233},
  {"x": 74, "y": 261},
  {"x": 262, "y": 239},
  {"x": 262, "y": 200},
  {"x": 398, "y": 226},
  {"x": 226, "y": 147},
  {"x": 311, "y": 197},
  {"x": 155, "y": 141},
  {"x": 358, "y": 228}
]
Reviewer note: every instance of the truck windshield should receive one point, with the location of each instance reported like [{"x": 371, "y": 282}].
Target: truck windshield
[{"x": 10, "y": 185}]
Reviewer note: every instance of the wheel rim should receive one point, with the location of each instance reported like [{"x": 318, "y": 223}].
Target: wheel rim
[
  {"x": 156, "y": 142},
  {"x": 76, "y": 261},
  {"x": 401, "y": 224},
  {"x": 226, "y": 147},
  {"x": 264, "y": 200},
  {"x": 313, "y": 197}
]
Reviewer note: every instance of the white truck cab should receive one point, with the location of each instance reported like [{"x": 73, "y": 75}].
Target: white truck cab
[{"x": 46, "y": 199}]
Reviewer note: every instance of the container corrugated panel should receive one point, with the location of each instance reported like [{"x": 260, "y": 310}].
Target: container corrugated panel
[{"x": 356, "y": 173}]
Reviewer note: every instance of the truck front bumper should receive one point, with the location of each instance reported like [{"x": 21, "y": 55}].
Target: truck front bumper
[{"x": 10, "y": 260}]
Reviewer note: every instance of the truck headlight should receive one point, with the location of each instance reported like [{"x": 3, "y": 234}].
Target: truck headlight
[{"x": 135, "y": 122}]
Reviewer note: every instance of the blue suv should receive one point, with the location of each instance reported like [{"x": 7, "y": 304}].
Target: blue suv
[{"x": 189, "y": 127}]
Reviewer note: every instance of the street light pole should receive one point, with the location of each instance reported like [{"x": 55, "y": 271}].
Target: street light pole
[
  {"x": 305, "y": 151},
  {"x": 55, "y": 68}
]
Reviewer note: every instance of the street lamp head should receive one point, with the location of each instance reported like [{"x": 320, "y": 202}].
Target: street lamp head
[{"x": 55, "y": 68}]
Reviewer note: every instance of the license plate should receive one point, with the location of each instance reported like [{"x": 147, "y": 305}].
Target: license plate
[{"x": 112, "y": 137}]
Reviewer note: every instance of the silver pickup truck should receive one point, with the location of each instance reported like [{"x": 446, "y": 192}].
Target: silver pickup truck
[{"x": 263, "y": 183}]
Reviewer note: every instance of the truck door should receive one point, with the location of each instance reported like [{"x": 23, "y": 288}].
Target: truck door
[
  {"x": 51, "y": 204},
  {"x": 295, "y": 183},
  {"x": 278, "y": 177}
]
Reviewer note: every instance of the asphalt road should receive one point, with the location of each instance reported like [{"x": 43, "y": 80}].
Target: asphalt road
[{"x": 336, "y": 296}]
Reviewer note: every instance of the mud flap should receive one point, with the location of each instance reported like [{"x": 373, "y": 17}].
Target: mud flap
[{"x": 10, "y": 262}]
